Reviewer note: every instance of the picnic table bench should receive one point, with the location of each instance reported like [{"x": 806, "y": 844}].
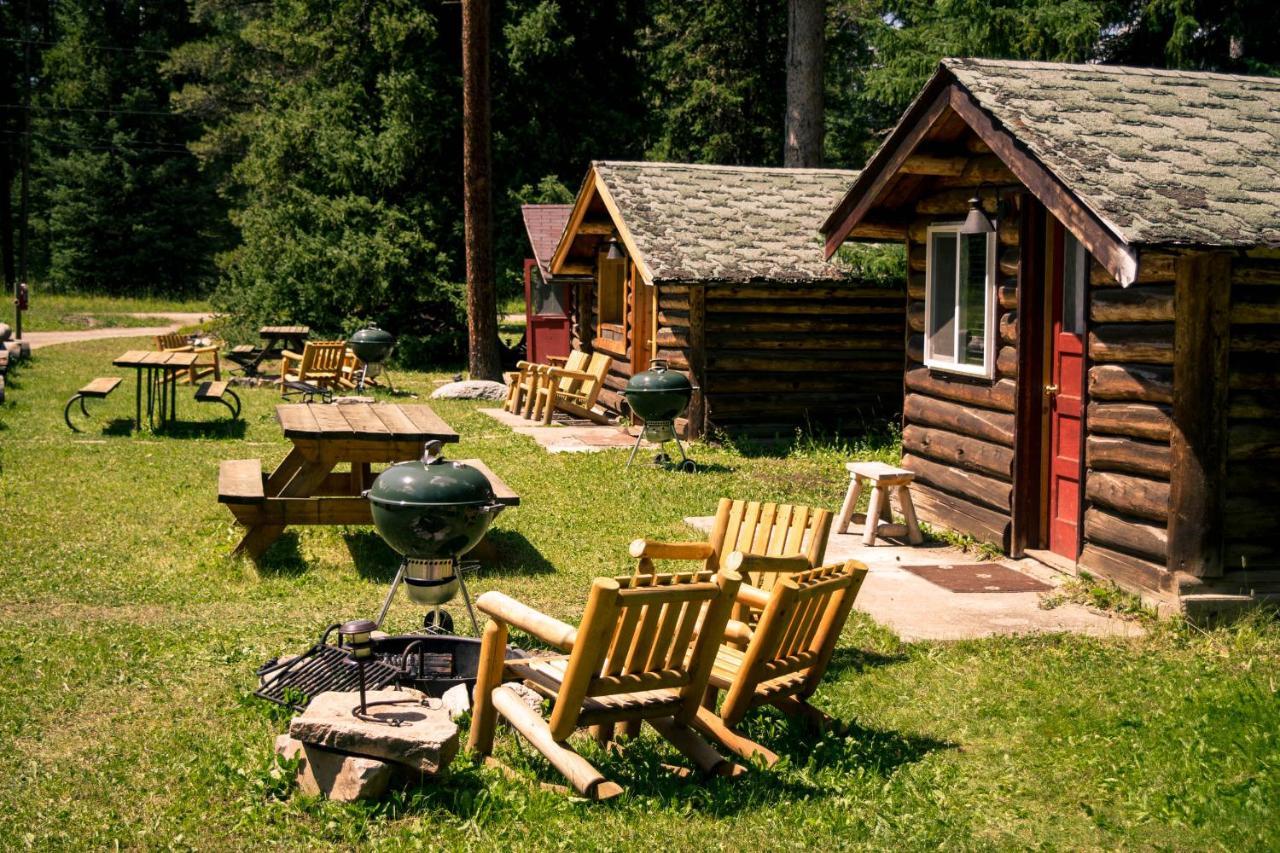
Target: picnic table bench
[
  {"x": 276, "y": 339},
  {"x": 305, "y": 488}
]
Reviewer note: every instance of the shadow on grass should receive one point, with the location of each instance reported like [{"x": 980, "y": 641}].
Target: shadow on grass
[
  {"x": 502, "y": 553},
  {"x": 373, "y": 558},
  {"x": 845, "y": 658},
  {"x": 225, "y": 428},
  {"x": 118, "y": 427},
  {"x": 284, "y": 558}
]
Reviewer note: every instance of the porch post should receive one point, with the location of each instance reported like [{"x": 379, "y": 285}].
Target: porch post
[
  {"x": 1029, "y": 400},
  {"x": 1202, "y": 338},
  {"x": 698, "y": 412}
]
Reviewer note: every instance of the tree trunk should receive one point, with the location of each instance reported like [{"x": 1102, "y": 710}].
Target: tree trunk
[
  {"x": 806, "y": 22},
  {"x": 477, "y": 194}
]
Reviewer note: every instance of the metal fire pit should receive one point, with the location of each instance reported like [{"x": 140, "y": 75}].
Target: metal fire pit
[{"x": 431, "y": 663}]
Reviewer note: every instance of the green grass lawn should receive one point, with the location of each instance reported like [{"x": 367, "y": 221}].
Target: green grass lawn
[
  {"x": 129, "y": 639},
  {"x": 58, "y": 312}
]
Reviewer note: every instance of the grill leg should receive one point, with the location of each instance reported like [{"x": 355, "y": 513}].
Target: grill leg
[
  {"x": 391, "y": 593},
  {"x": 634, "y": 448},
  {"x": 466, "y": 598}
]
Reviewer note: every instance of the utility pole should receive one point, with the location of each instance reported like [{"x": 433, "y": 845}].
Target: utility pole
[
  {"x": 477, "y": 194},
  {"x": 805, "y": 125},
  {"x": 20, "y": 285}
]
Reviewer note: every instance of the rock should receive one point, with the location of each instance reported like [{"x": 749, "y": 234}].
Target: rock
[
  {"x": 267, "y": 676},
  {"x": 528, "y": 695},
  {"x": 423, "y": 738},
  {"x": 5, "y": 332},
  {"x": 471, "y": 389},
  {"x": 345, "y": 778},
  {"x": 347, "y": 401},
  {"x": 457, "y": 701}
]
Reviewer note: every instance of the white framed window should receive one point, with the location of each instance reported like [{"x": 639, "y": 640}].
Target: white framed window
[
  {"x": 960, "y": 301},
  {"x": 1075, "y": 271}
]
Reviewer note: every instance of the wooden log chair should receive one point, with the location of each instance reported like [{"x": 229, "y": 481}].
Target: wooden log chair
[
  {"x": 207, "y": 365},
  {"x": 782, "y": 659},
  {"x": 523, "y": 383},
  {"x": 766, "y": 529},
  {"x": 319, "y": 364},
  {"x": 573, "y": 392},
  {"x": 635, "y": 657}
]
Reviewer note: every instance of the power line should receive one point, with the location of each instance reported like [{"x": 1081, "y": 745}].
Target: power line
[
  {"x": 49, "y": 109},
  {"x": 117, "y": 48}
]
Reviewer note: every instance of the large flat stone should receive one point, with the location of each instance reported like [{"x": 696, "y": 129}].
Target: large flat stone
[
  {"x": 422, "y": 738},
  {"x": 345, "y": 778}
]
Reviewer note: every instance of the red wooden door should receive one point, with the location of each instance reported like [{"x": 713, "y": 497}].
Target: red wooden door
[
  {"x": 1068, "y": 274},
  {"x": 546, "y": 316}
]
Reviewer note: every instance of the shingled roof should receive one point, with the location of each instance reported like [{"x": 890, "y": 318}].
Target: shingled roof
[
  {"x": 544, "y": 223},
  {"x": 1162, "y": 157},
  {"x": 726, "y": 223}
]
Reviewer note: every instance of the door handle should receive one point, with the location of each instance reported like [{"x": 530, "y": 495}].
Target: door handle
[{"x": 1051, "y": 390}]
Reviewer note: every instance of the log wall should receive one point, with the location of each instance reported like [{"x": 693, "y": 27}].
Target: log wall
[
  {"x": 1252, "y": 500},
  {"x": 1128, "y": 424},
  {"x": 958, "y": 432}
]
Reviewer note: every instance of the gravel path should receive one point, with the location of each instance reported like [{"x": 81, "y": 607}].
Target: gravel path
[{"x": 177, "y": 320}]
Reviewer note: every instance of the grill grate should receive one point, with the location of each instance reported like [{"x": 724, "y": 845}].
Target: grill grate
[{"x": 318, "y": 670}]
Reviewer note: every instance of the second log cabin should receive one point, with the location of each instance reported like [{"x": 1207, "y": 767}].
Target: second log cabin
[
  {"x": 720, "y": 271},
  {"x": 1094, "y": 312}
]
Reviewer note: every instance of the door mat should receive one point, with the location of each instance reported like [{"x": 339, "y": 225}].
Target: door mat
[{"x": 978, "y": 577}]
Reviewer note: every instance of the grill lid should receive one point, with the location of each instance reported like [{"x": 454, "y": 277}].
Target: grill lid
[
  {"x": 434, "y": 481},
  {"x": 373, "y": 335},
  {"x": 659, "y": 379}
]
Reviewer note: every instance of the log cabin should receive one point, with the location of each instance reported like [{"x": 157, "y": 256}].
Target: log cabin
[
  {"x": 1093, "y": 360},
  {"x": 548, "y": 299},
  {"x": 720, "y": 271}
]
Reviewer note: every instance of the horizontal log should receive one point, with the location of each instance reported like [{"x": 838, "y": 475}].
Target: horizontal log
[
  {"x": 1010, "y": 258},
  {"x": 669, "y": 337},
  {"x": 915, "y": 286},
  {"x": 925, "y": 164},
  {"x": 1129, "y": 494},
  {"x": 834, "y": 385},
  {"x": 1136, "y": 420},
  {"x": 1127, "y": 570},
  {"x": 804, "y": 323},
  {"x": 1255, "y": 339},
  {"x": 1247, "y": 406},
  {"x": 824, "y": 293},
  {"x": 997, "y": 395},
  {"x": 1009, "y": 230},
  {"x": 1150, "y": 541},
  {"x": 1007, "y": 362},
  {"x": 1137, "y": 382},
  {"x": 1247, "y": 308},
  {"x": 955, "y": 449},
  {"x": 799, "y": 342},
  {"x": 1249, "y": 271},
  {"x": 1007, "y": 297},
  {"x": 1251, "y": 516},
  {"x": 673, "y": 318},
  {"x": 1253, "y": 442},
  {"x": 955, "y": 201},
  {"x": 1145, "y": 344},
  {"x": 916, "y": 257},
  {"x": 1253, "y": 372},
  {"x": 577, "y": 268},
  {"x": 874, "y": 360},
  {"x": 1009, "y": 327},
  {"x": 978, "y": 488},
  {"x": 1128, "y": 456},
  {"x": 853, "y": 409},
  {"x": 875, "y": 228},
  {"x": 1137, "y": 304},
  {"x": 890, "y": 304},
  {"x": 1152, "y": 268},
  {"x": 915, "y": 316},
  {"x": 984, "y": 424},
  {"x": 960, "y": 515},
  {"x": 915, "y": 349},
  {"x": 983, "y": 169}
]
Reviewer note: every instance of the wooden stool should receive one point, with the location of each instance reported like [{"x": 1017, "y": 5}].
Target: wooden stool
[{"x": 878, "y": 521}]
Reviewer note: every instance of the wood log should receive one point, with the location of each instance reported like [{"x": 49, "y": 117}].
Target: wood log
[
  {"x": 1129, "y": 495},
  {"x": 1009, "y": 260},
  {"x": 984, "y": 424},
  {"x": 1150, "y": 541},
  {"x": 1248, "y": 271},
  {"x": 915, "y": 349},
  {"x": 584, "y": 778},
  {"x": 997, "y": 395},
  {"x": 1136, "y": 420},
  {"x": 976, "y": 145},
  {"x": 1009, "y": 230},
  {"x": 977, "y": 488},
  {"x": 1253, "y": 442},
  {"x": 916, "y": 258},
  {"x": 960, "y": 515},
  {"x": 915, "y": 316},
  {"x": 953, "y": 448},
  {"x": 1007, "y": 297},
  {"x": 1147, "y": 344},
  {"x": 1007, "y": 362},
  {"x": 1245, "y": 340},
  {"x": 1009, "y": 327},
  {"x": 1137, "y": 382},
  {"x": 1255, "y": 311},
  {"x": 1127, "y": 456},
  {"x": 915, "y": 286},
  {"x": 853, "y": 325},
  {"x": 890, "y": 305},
  {"x": 1253, "y": 372},
  {"x": 926, "y": 164},
  {"x": 1127, "y": 570},
  {"x": 1152, "y": 268},
  {"x": 1149, "y": 304},
  {"x": 876, "y": 228},
  {"x": 1246, "y": 406},
  {"x": 718, "y": 295},
  {"x": 951, "y": 202},
  {"x": 982, "y": 169}
]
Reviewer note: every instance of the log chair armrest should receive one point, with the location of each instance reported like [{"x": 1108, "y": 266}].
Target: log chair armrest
[
  {"x": 753, "y": 597},
  {"x": 525, "y": 365},
  {"x": 745, "y": 564},
  {"x": 210, "y": 348},
  {"x": 738, "y": 632},
  {"x": 187, "y": 348},
  {"x": 557, "y": 360},
  {"x": 658, "y": 550},
  {"x": 561, "y": 373},
  {"x": 546, "y": 628},
  {"x": 291, "y": 355}
]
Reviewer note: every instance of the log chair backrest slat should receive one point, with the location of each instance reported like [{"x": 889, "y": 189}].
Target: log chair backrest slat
[
  {"x": 640, "y": 638},
  {"x": 322, "y": 357},
  {"x": 171, "y": 340},
  {"x": 796, "y": 635},
  {"x": 769, "y": 529}
]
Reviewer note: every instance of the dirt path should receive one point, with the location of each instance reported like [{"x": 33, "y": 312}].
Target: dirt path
[{"x": 177, "y": 320}]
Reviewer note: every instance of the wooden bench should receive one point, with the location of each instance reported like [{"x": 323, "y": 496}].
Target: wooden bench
[
  {"x": 96, "y": 390},
  {"x": 885, "y": 481},
  {"x": 218, "y": 392},
  {"x": 240, "y": 481}
]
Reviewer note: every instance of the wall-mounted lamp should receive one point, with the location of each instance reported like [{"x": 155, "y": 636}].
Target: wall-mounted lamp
[
  {"x": 977, "y": 222},
  {"x": 615, "y": 252}
]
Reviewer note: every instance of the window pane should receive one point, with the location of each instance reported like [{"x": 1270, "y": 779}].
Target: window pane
[
  {"x": 973, "y": 299},
  {"x": 942, "y": 296},
  {"x": 1074, "y": 265}
]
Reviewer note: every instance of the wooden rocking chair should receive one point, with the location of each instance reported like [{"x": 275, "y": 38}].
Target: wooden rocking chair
[
  {"x": 523, "y": 383},
  {"x": 203, "y": 367},
  {"x": 319, "y": 364},
  {"x": 798, "y": 533},
  {"x": 635, "y": 657},
  {"x": 786, "y": 653},
  {"x": 573, "y": 391}
]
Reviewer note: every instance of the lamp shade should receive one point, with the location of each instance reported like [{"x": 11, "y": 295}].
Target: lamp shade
[
  {"x": 976, "y": 222},
  {"x": 615, "y": 252}
]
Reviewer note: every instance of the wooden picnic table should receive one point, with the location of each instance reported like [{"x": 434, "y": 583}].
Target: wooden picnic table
[
  {"x": 305, "y": 489},
  {"x": 162, "y": 370},
  {"x": 278, "y": 339}
]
